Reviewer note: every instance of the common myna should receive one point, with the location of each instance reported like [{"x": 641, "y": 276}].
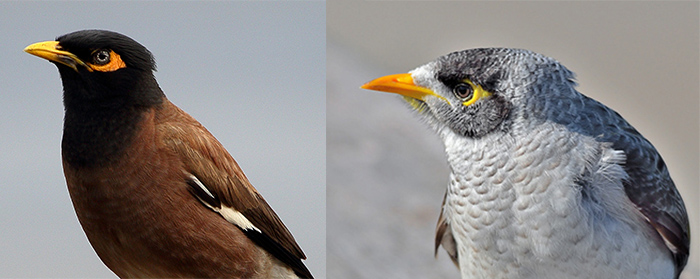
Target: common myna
[
  {"x": 545, "y": 182},
  {"x": 155, "y": 192}
]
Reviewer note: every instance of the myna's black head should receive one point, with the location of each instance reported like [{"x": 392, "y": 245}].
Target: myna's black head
[
  {"x": 101, "y": 68},
  {"x": 94, "y": 46},
  {"x": 108, "y": 84}
]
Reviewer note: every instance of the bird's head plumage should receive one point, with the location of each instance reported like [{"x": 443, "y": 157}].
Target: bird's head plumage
[
  {"x": 478, "y": 91},
  {"x": 99, "y": 66},
  {"x": 108, "y": 83}
]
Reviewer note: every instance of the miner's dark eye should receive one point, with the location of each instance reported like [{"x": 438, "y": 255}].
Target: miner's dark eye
[
  {"x": 463, "y": 91},
  {"x": 101, "y": 57}
]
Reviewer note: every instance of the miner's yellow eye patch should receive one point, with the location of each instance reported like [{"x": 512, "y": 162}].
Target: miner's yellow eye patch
[{"x": 479, "y": 93}]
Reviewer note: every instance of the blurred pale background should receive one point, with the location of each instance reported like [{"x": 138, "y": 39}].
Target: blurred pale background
[
  {"x": 251, "y": 72},
  {"x": 386, "y": 170}
]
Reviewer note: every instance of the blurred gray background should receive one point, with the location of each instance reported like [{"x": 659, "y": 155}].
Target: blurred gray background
[
  {"x": 252, "y": 72},
  {"x": 386, "y": 170}
]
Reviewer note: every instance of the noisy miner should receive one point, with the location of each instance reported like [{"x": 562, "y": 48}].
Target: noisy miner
[{"x": 545, "y": 182}]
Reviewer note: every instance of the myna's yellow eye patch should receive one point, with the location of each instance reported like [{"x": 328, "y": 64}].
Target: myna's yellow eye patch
[{"x": 105, "y": 60}]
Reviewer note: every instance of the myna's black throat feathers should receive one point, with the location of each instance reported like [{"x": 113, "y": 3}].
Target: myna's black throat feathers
[{"x": 119, "y": 124}]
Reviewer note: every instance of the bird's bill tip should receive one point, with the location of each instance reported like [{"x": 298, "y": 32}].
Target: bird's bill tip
[
  {"x": 400, "y": 84},
  {"x": 51, "y": 50},
  {"x": 47, "y": 50}
]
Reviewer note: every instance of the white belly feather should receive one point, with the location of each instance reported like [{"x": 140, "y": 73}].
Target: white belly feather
[{"x": 545, "y": 207}]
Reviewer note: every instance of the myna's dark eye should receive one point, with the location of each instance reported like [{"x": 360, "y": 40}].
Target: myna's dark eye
[
  {"x": 101, "y": 57},
  {"x": 463, "y": 91}
]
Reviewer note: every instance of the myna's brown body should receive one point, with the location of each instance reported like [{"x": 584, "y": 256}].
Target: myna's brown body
[{"x": 155, "y": 192}]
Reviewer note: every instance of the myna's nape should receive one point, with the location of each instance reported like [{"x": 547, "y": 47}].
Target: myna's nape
[
  {"x": 156, "y": 194},
  {"x": 545, "y": 182}
]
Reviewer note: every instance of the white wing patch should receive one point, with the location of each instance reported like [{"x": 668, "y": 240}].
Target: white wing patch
[
  {"x": 237, "y": 218},
  {"x": 233, "y": 216},
  {"x": 205, "y": 190}
]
